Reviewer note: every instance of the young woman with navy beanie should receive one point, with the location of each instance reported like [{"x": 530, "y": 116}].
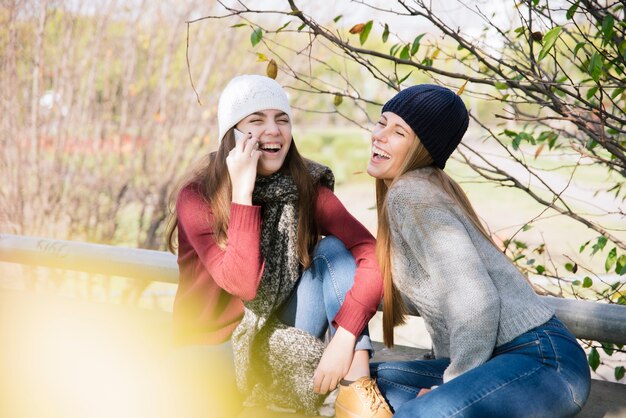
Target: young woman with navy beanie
[
  {"x": 499, "y": 350},
  {"x": 252, "y": 264}
]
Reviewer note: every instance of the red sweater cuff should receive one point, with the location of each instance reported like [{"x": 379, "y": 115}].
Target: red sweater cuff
[
  {"x": 244, "y": 217},
  {"x": 352, "y": 316}
]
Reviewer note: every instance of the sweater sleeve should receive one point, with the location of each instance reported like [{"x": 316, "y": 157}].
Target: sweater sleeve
[
  {"x": 362, "y": 300},
  {"x": 466, "y": 297},
  {"x": 237, "y": 268}
]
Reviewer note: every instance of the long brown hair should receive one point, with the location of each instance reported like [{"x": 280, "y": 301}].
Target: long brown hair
[
  {"x": 394, "y": 308},
  {"x": 213, "y": 181}
]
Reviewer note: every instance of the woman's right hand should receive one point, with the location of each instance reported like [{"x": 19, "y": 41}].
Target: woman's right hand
[
  {"x": 335, "y": 362},
  {"x": 242, "y": 165}
]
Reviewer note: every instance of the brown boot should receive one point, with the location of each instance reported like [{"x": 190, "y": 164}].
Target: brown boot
[{"x": 361, "y": 399}]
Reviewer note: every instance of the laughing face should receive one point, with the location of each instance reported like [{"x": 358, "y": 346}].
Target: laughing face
[
  {"x": 273, "y": 129},
  {"x": 391, "y": 140}
]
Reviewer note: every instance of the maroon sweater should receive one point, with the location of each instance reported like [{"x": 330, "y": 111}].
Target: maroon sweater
[{"x": 213, "y": 281}]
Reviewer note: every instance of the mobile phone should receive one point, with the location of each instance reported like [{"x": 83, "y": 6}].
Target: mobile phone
[{"x": 239, "y": 136}]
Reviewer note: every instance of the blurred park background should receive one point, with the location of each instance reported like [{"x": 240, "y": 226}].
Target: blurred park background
[{"x": 104, "y": 104}]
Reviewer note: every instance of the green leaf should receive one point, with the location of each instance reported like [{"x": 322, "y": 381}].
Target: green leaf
[
  {"x": 404, "y": 54},
  {"x": 619, "y": 372},
  {"x": 576, "y": 283},
  {"x": 257, "y": 35},
  {"x": 582, "y": 247},
  {"x": 404, "y": 78},
  {"x": 620, "y": 266},
  {"x": 607, "y": 28},
  {"x": 610, "y": 259},
  {"x": 394, "y": 49},
  {"x": 577, "y": 47},
  {"x": 548, "y": 41},
  {"x": 540, "y": 269},
  {"x": 543, "y": 136},
  {"x": 595, "y": 66},
  {"x": 587, "y": 282},
  {"x": 569, "y": 267},
  {"x": 283, "y": 27},
  {"x": 528, "y": 137},
  {"x": 238, "y": 25},
  {"x": 500, "y": 85},
  {"x": 617, "y": 92},
  {"x": 366, "y": 32},
  {"x": 594, "y": 359},
  {"x": 570, "y": 12},
  {"x": 416, "y": 44},
  {"x": 607, "y": 348},
  {"x": 336, "y": 19},
  {"x": 302, "y": 26},
  {"x": 386, "y": 33},
  {"x": 516, "y": 142},
  {"x": 599, "y": 245},
  {"x": 520, "y": 245},
  {"x": 592, "y": 92},
  {"x": 552, "y": 140}
]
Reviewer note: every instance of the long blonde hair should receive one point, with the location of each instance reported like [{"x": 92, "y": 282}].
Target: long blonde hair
[
  {"x": 394, "y": 308},
  {"x": 210, "y": 176}
]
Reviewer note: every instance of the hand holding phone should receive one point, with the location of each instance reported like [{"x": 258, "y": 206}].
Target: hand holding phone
[
  {"x": 240, "y": 136},
  {"x": 242, "y": 163}
]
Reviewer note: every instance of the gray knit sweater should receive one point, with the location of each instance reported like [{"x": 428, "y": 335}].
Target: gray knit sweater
[{"x": 471, "y": 297}]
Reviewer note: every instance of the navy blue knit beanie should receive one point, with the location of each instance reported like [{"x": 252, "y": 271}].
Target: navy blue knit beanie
[{"x": 436, "y": 114}]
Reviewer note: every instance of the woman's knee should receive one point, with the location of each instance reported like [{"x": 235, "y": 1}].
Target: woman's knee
[
  {"x": 331, "y": 255},
  {"x": 330, "y": 247}
]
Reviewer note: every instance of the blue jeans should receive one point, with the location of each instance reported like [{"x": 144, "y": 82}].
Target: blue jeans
[
  {"x": 541, "y": 373},
  {"x": 321, "y": 290}
]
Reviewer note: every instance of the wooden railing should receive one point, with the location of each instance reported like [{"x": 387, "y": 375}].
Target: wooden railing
[{"x": 588, "y": 320}]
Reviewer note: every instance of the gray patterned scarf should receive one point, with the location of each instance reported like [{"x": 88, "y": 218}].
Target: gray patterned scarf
[{"x": 274, "y": 363}]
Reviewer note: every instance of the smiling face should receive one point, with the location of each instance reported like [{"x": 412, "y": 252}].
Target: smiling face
[
  {"x": 273, "y": 128},
  {"x": 392, "y": 138}
]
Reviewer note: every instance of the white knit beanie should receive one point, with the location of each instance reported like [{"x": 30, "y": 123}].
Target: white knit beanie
[{"x": 246, "y": 94}]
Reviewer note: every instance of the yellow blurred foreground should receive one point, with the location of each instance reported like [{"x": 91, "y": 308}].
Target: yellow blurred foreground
[{"x": 68, "y": 358}]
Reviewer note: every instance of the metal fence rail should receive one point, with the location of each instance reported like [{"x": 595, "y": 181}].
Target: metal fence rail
[{"x": 586, "y": 319}]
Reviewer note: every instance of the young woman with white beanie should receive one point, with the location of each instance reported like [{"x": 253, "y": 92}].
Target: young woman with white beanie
[{"x": 252, "y": 264}]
